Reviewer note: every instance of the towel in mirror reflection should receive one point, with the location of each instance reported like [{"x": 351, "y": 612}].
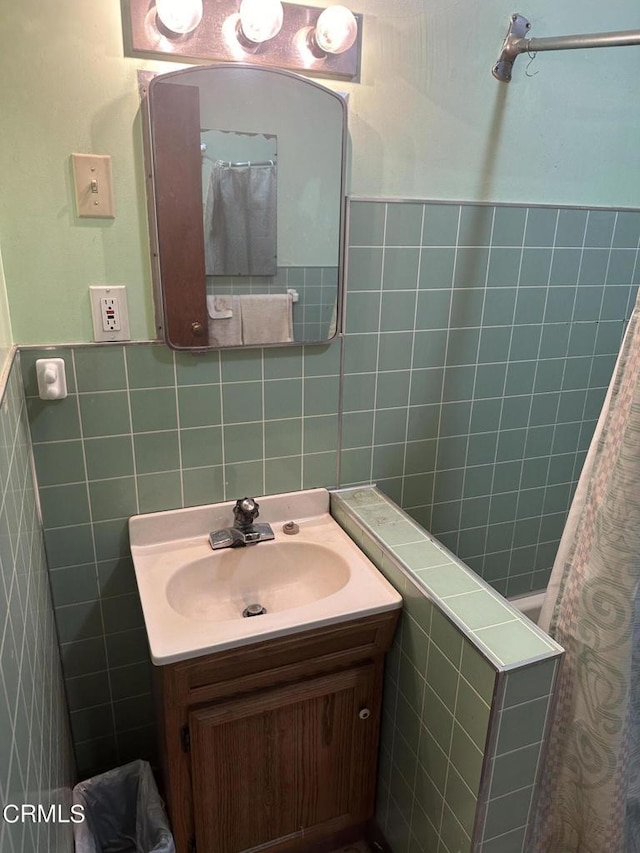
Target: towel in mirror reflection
[{"x": 250, "y": 319}]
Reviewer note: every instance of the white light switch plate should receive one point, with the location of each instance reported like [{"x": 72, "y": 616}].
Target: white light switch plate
[{"x": 93, "y": 185}]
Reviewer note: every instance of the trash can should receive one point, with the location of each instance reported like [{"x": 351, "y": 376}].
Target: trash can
[{"x": 123, "y": 813}]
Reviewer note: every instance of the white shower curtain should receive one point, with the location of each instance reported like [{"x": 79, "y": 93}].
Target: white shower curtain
[
  {"x": 240, "y": 216},
  {"x": 590, "y": 792}
]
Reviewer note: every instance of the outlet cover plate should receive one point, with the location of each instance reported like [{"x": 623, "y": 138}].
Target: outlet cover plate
[{"x": 119, "y": 293}]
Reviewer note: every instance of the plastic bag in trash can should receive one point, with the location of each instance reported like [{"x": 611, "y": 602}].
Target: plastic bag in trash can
[{"x": 123, "y": 813}]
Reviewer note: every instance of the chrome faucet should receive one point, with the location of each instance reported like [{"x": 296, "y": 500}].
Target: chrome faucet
[{"x": 244, "y": 531}]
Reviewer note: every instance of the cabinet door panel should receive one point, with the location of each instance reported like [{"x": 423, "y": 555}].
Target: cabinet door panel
[{"x": 276, "y": 765}]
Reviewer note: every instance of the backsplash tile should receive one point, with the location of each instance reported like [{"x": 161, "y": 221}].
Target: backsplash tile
[
  {"x": 36, "y": 760},
  {"x": 149, "y": 430},
  {"x": 507, "y": 321}
]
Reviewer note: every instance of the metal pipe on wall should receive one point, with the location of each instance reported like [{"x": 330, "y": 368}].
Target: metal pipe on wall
[
  {"x": 515, "y": 43},
  {"x": 622, "y": 38}
]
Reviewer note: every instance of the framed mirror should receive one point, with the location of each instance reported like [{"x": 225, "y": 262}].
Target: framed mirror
[{"x": 245, "y": 182}]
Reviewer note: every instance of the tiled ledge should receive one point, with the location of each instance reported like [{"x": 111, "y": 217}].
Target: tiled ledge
[
  {"x": 385, "y": 533},
  {"x": 469, "y": 693}
]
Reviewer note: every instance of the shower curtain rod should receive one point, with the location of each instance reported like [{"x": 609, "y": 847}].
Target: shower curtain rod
[{"x": 515, "y": 44}]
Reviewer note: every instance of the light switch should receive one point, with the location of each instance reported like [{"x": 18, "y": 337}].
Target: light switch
[{"x": 93, "y": 185}]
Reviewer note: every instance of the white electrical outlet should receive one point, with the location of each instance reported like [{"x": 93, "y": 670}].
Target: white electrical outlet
[{"x": 109, "y": 313}]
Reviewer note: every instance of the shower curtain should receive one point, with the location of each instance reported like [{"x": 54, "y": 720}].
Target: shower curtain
[
  {"x": 240, "y": 220},
  {"x": 589, "y": 798}
]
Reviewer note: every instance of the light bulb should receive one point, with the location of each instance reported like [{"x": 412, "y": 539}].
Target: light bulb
[
  {"x": 179, "y": 16},
  {"x": 336, "y": 30},
  {"x": 260, "y": 20}
]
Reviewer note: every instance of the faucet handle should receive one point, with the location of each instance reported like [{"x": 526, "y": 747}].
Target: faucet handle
[{"x": 246, "y": 511}]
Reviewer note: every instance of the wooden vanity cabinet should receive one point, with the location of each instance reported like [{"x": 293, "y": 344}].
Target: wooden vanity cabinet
[{"x": 273, "y": 746}]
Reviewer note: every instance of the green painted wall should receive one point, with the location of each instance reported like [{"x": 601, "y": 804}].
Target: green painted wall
[{"x": 427, "y": 121}]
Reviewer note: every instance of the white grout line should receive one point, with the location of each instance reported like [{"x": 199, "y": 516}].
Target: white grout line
[
  {"x": 178, "y": 427},
  {"x": 411, "y": 368},
  {"x": 131, "y": 435},
  {"x": 93, "y": 545},
  {"x": 263, "y": 413},
  {"x": 595, "y": 339},
  {"x": 475, "y": 377},
  {"x": 446, "y": 350},
  {"x": 379, "y": 334},
  {"x": 504, "y": 386},
  {"x": 222, "y": 426},
  {"x": 453, "y": 728},
  {"x": 302, "y": 414},
  {"x": 555, "y": 424}
]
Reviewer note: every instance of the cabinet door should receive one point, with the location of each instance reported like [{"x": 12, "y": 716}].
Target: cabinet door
[{"x": 293, "y": 761}]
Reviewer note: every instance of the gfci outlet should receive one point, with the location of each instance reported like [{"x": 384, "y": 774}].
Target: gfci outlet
[{"x": 109, "y": 313}]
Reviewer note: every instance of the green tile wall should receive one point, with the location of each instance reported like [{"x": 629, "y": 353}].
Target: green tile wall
[
  {"x": 144, "y": 429},
  {"x": 479, "y": 344},
  {"x": 467, "y": 698},
  {"x": 36, "y": 760},
  {"x": 524, "y": 713}
]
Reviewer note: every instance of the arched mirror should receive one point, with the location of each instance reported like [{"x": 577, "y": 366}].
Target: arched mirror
[{"x": 245, "y": 177}]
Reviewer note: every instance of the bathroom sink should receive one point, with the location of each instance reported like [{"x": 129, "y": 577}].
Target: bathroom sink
[
  {"x": 198, "y": 601},
  {"x": 282, "y": 575}
]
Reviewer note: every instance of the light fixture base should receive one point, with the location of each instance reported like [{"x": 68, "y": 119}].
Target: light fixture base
[
  {"x": 247, "y": 45},
  {"x": 312, "y": 45},
  {"x": 215, "y": 40}
]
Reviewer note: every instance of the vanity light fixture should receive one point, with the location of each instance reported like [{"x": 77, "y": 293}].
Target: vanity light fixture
[
  {"x": 259, "y": 21},
  {"x": 317, "y": 41},
  {"x": 335, "y": 31},
  {"x": 179, "y": 16}
]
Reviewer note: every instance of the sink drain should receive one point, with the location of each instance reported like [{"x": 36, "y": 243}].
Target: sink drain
[{"x": 253, "y": 610}]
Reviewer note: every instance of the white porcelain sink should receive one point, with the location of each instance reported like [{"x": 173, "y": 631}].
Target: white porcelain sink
[
  {"x": 281, "y": 576},
  {"x": 193, "y": 597}
]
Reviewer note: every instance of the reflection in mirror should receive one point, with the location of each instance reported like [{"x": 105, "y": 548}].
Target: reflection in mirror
[
  {"x": 239, "y": 200},
  {"x": 246, "y": 184}
]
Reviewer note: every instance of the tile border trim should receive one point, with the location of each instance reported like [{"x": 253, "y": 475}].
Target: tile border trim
[
  {"x": 338, "y": 499},
  {"x": 485, "y": 203}
]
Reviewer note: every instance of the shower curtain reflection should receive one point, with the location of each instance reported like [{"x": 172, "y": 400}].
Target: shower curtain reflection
[
  {"x": 590, "y": 794},
  {"x": 240, "y": 215}
]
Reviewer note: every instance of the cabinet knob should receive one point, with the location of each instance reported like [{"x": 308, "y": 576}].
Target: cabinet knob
[
  {"x": 197, "y": 329},
  {"x": 364, "y": 714}
]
